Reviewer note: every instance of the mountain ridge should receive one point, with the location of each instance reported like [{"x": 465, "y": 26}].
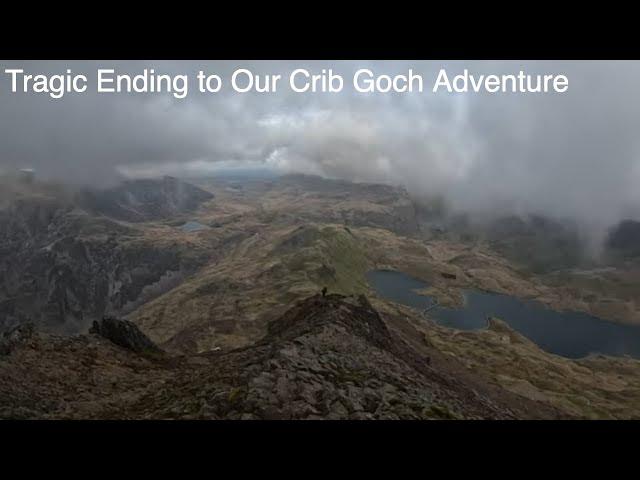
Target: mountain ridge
[{"x": 327, "y": 357}]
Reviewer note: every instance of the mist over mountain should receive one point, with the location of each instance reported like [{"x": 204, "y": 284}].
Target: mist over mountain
[
  {"x": 571, "y": 155},
  {"x": 321, "y": 255}
]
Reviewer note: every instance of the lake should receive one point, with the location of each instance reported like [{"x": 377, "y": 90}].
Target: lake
[
  {"x": 193, "y": 226},
  {"x": 570, "y": 334}
]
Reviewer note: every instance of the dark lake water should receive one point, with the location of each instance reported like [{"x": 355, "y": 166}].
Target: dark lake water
[
  {"x": 193, "y": 226},
  {"x": 570, "y": 334}
]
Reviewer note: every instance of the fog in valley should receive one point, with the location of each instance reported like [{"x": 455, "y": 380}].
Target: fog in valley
[{"x": 570, "y": 155}]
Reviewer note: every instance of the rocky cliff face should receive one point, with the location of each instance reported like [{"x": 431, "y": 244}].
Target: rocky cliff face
[{"x": 62, "y": 266}]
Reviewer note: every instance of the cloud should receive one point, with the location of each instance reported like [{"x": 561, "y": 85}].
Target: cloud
[{"x": 573, "y": 154}]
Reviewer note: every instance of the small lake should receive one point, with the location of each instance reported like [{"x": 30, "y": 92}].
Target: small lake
[
  {"x": 193, "y": 226},
  {"x": 570, "y": 334}
]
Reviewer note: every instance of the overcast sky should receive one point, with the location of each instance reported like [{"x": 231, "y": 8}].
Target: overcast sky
[{"x": 572, "y": 154}]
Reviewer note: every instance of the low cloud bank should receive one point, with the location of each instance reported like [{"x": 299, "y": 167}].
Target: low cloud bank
[{"x": 564, "y": 155}]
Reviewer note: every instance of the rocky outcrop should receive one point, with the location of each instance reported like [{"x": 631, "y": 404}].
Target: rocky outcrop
[
  {"x": 125, "y": 334},
  {"x": 14, "y": 337},
  {"x": 327, "y": 357}
]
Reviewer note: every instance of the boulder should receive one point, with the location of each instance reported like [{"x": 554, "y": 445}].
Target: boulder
[
  {"x": 14, "y": 336},
  {"x": 125, "y": 334}
]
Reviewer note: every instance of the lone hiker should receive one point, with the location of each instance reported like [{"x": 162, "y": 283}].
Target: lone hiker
[{"x": 324, "y": 291}]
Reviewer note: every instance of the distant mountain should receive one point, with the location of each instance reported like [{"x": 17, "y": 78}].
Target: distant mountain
[
  {"x": 539, "y": 243},
  {"x": 353, "y": 204},
  {"x": 536, "y": 243},
  {"x": 145, "y": 200},
  {"x": 66, "y": 260},
  {"x": 624, "y": 238}
]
